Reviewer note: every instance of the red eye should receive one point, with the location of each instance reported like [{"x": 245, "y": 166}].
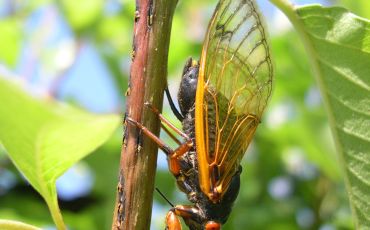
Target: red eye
[{"x": 211, "y": 225}]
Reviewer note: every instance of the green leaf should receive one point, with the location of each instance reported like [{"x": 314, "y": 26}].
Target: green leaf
[
  {"x": 82, "y": 14},
  {"x": 359, "y": 7},
  {"x": 45, "y": 138},
  {"x": 15, "y": 225},
  {"x": 338, "y": 45},
  {"x": 10, "y": 40}
]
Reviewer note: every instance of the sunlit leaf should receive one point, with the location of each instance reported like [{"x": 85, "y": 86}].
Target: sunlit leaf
[
  {"x": 338, "y": 44},
  {"x": 360, "y": 7},
  {"x": 15, "y": 225},
  {"x": 10, "y": 40},
  {"x": 44, "y": 139}
]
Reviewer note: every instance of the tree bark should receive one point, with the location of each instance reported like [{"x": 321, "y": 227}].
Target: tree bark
[{"x": 152, "y": 28}]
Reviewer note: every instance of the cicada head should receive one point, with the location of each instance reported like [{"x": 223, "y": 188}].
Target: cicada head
[{"x": 188, "y": 85}]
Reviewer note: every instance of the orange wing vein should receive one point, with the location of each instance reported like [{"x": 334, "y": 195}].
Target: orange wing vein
[{"x": 234, "y": 85}]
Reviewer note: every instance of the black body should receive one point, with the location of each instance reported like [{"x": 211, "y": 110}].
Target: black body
[{"x": 188, "y": 180}]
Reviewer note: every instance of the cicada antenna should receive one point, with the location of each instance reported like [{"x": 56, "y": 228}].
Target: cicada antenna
[{"x": 164, "y": 197}]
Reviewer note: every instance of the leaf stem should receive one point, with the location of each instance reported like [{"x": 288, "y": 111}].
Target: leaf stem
[{"x": 55, "y": 213}]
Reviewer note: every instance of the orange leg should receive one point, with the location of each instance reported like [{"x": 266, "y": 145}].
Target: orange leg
[
  {"x": 173, "y": 155},
  {"x": 165, "y": 121},
  {"x": 170, "y": 134},
  {"x": 185, "y": 211},
  {"x": 172, "y": 221}
]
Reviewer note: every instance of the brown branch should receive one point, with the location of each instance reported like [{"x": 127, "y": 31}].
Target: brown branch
[{"x": 148, "y": 74}]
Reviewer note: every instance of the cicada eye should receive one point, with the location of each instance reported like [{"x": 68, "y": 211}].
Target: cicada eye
[{"x": 212, "y": 225}]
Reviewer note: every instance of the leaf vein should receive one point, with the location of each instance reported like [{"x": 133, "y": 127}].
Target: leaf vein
[
  {"x": 350, "y": 133},
  {"x": 364, "y": 86},
  {"x": 347, "y": 105},
  {"x": 359, "y": 176}
]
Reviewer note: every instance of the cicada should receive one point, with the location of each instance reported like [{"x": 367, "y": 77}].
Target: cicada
[{"x": 221, "y": 99}]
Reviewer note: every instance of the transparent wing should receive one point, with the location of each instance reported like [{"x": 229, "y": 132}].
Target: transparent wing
[{"x": 234, "y": 85}]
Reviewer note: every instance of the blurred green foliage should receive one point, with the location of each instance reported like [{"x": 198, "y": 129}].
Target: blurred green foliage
[
  {"x": 49, "y": 140},
  {"x": 291, "y": 178}
]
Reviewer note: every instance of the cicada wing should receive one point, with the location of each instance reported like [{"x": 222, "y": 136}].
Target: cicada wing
[{"x": 234, "y": 85}]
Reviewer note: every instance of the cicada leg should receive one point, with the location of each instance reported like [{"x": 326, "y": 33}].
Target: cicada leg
[
  {"x": 172, "y": 105},
  {"x": 184, "y": 211},
  {"x": 191, "y": 215},
  {"x": 165, "y": 121},
  {"x": 173, "y": 155},
  {"x": 172, "y": 221}
]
